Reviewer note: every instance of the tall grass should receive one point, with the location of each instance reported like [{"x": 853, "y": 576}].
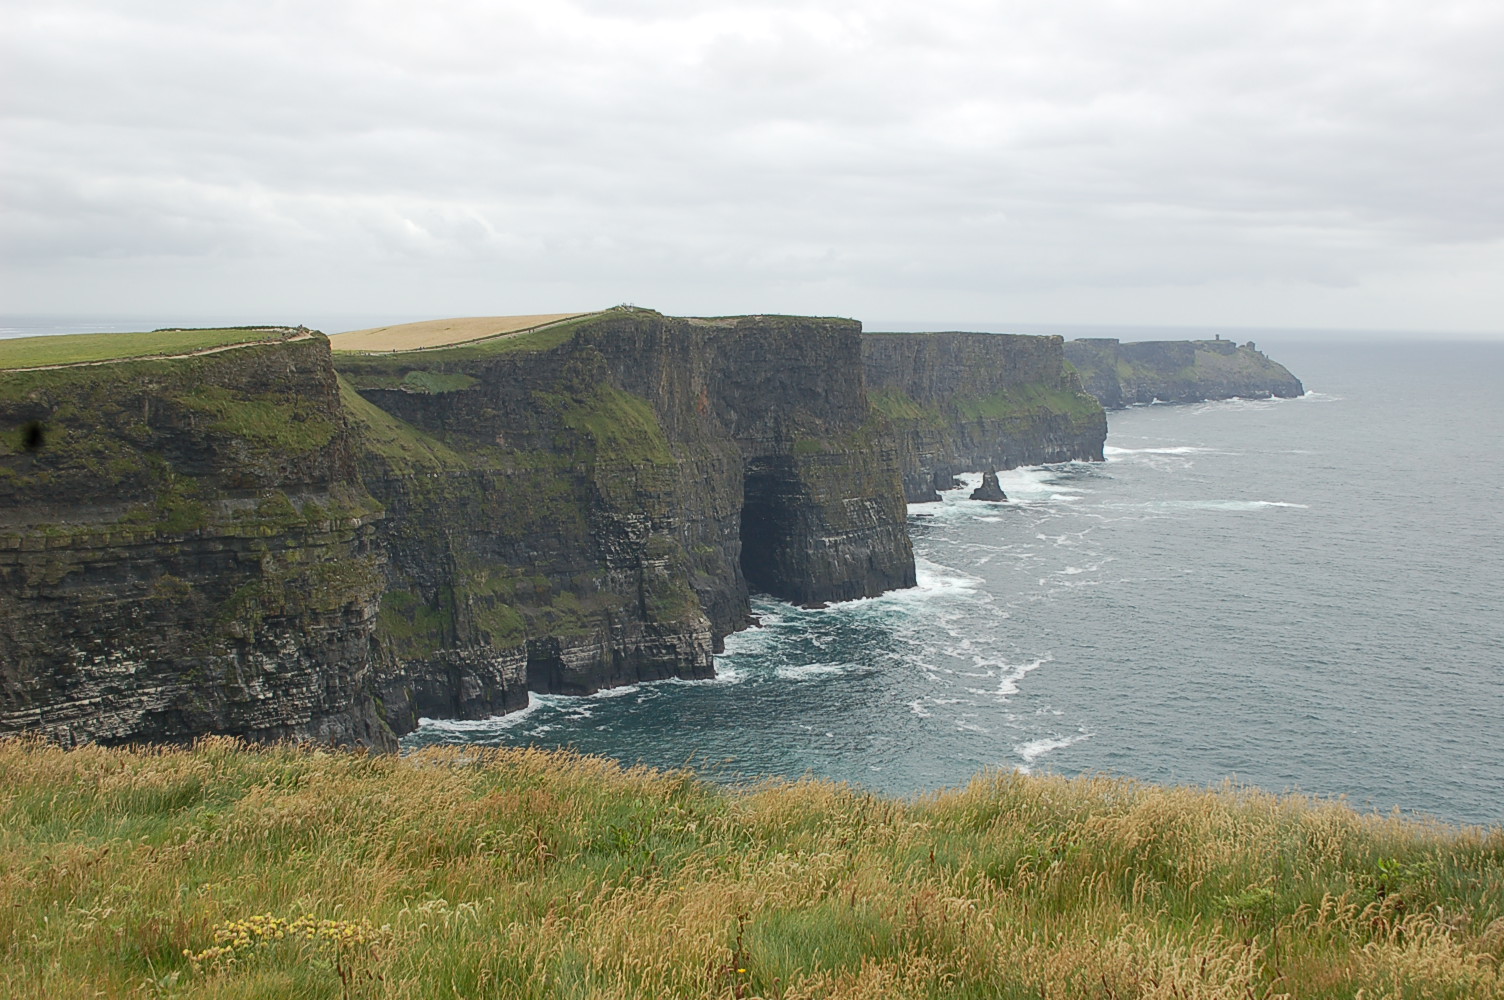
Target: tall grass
[{"x": 223, "y": 871}]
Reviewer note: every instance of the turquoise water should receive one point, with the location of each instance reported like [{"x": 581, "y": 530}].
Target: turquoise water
[{"x": 1293, "y": 594}]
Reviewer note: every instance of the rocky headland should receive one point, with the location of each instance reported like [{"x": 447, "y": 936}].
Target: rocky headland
[
  {"x": 1177, "y": 371},
  {"x": 271, "y": 537}
]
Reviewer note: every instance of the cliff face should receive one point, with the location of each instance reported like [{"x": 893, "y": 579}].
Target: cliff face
[
  {"x": 587, "y": 509},
  {"x": 276, "y": 541},
  {"x": 250, "y": 542},
  {"x": 185, "y": 550},
  {"x": 1177, "y": 371},
  {"x": 961, "y": 402}
]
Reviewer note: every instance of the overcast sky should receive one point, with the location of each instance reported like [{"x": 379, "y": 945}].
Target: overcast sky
[{"x": 1311, "y": 163}]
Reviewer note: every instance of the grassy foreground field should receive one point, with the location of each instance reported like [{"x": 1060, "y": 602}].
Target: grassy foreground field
[{"x": 302, "y": 873}]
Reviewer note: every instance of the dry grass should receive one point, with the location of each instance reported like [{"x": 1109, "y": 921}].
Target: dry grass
[
  {"x": 226, "y": 872},
  {"x": 442, "y": 332}
]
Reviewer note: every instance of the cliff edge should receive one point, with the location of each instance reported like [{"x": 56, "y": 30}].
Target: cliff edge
[{"x": 591, "y": 505}]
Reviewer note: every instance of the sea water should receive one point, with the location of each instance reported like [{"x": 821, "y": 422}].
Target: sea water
[{"x": 1291, "y": 594}]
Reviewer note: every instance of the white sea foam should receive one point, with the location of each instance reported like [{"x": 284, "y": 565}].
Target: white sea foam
[
  {"x": 1014, "y": 672},
  {"x": 806, "y": 670},
  {"x": 571, "y": 706},
  {"x": 1037, "y": 748},
  {"x": 1035, "y": 483},
  {"x": 1069, "y": 538},
  {"x": 1213, "y": 405},
  {"x": 1112, "y": 451},
  {"x": 933, "y": 578},
  {"x": 508, "y": 721},
  {"x": 1223, "y": 504},
  {"x": 617, "y": 692},
  {"x": 726, "y": 674},
  {"x": 1025, "y": 485}
]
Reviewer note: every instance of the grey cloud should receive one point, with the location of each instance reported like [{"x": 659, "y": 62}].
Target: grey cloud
[{"x": 717, "y": 151}]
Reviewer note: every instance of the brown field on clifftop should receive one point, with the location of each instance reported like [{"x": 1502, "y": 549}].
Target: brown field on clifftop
[{"x": 442, "y": 332}]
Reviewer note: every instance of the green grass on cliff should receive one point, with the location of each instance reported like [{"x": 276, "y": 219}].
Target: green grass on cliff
[
  {"x": 222, "y": 872},
  {"x": 1016, "y": 403},
  {"x": 620, "y": 427},
  {"x": 1019, "y": 402},
  {"x": 35, "y": 352},
  {"x": 895, "y": 404},
  {"x": 403, "y": 447}
]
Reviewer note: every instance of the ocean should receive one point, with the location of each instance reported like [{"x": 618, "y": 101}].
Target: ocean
[{"x": 1298, "y": 595}]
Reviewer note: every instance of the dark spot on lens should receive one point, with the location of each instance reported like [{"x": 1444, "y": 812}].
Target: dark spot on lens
[{"x": 34, "y": 436}]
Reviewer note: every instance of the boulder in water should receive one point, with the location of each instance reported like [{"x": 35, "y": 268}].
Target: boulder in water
[{"x": 989, "y": 490}]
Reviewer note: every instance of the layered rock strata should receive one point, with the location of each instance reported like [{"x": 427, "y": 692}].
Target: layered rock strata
[
  {"x": 960, "y": 402},
  {"x": 251, "y": 542},
  {"x": 185, "y": 549},
  {"x": 601, "y": 505},
  {"x": 1177, "y": 371}
]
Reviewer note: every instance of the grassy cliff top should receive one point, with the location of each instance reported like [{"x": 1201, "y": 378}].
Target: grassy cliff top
[
  {"x": 92, "y": 348},
  {"x": 226, "y": 872},
  {"x": 443, "y": 332}
]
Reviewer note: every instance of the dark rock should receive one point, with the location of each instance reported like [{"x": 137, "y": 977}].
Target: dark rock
[{"x": 990, "y": 489}]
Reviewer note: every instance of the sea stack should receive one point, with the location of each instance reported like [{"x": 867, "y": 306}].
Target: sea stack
[{"x": 989, "y": 490}]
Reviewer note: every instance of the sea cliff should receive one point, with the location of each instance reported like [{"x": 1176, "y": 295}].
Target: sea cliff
[
  {"x": 185, "y": 548},
  {"x": 1177, "y": 371},
  {"x": 590, "y": 506},
  {"x": 278, "y": 541},
  {"x": 965, "y": 402},
  {"x": 270, "y": 538}
]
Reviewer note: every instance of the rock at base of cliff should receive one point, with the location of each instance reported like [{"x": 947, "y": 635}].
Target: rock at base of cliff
[{"x": 990, "y": 489}]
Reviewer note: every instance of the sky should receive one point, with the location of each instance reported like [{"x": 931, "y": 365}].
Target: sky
[{"x": 1284, "y": 163}]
